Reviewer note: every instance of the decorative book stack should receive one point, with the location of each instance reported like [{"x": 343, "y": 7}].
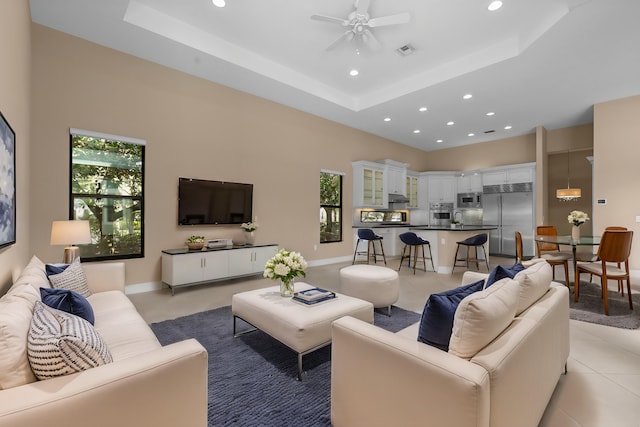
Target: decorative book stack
[{"x": 313, "y": 296}]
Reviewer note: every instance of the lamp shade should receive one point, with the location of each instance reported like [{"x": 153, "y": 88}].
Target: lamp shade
[
  {"x": 70, "y": 232},
  {"x": 568, "y": 193}
]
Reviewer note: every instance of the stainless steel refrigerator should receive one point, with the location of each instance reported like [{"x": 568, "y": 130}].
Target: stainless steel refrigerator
[{"x": 510, "y": 212}]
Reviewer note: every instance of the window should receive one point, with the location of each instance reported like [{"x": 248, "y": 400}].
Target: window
[
  {"x": 107, "y": 188},
  {"x": 330, "y": 207}
]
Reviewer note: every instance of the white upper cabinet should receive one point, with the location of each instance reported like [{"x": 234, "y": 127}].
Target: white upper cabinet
[
  {"x": 471, "y": 183},
  {"x": 395, "y": 174},
  {"x": 412, "y": 190},
  {"x": 369, "y": 185},
  {"x": 494, "y": 178},
  {"x": 518, "y": 175},
  {"x": 510, "y": 175},
  {"x": 440, "y": 187}
]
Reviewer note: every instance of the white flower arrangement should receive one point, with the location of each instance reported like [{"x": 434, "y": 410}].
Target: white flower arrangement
[
  {"x": 578, "y": 218},
  {"x": 249, "y": 226},
  {"x": 285, "y": 266}
]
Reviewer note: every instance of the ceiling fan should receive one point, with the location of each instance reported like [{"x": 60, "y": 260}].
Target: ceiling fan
[{"x": 360, "y": 24}]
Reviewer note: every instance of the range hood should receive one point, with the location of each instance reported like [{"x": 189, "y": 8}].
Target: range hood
[{"x": 398, "y": 198}]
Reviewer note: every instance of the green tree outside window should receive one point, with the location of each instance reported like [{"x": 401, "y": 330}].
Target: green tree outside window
[{"x": 330, "y": 207}]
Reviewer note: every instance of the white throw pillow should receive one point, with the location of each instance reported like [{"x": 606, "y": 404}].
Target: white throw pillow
[
  {"x": 534, "y": 283},
  {"x": 61, "y": 343},
  {"x": 16, "y": 311},
  {"x": 482, "y": 316},
  {"x": 72, "y": 278}
]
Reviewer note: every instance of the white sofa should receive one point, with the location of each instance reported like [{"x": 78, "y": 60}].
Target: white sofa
[
  {"x": 381, "y": 378},
  {"x": 145, "y": 385}
]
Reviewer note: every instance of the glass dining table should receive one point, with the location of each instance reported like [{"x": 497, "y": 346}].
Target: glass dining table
[{"x": 569, "y": 241}]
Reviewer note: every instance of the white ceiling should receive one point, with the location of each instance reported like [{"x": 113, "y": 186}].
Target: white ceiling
[{"x": 532, "y": 62}]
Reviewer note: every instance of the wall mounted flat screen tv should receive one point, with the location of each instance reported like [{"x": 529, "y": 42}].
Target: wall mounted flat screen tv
[{"x": 202, "y": 202}]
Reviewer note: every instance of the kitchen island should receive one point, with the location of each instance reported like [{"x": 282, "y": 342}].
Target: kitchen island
[{"x": 443, "y": 240}]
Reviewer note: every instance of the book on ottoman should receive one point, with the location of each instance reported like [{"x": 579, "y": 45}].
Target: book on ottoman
[{"x": 313, "y": 296}]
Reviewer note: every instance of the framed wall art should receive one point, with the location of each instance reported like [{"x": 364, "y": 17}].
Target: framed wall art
[{"x": 7, "y": 183}]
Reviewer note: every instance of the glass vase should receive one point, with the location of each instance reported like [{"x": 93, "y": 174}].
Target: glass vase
[
  {"x": 575, "y": 233},
  {"x": 286, "y": 288},
  {"x": 249, "y": 237}
]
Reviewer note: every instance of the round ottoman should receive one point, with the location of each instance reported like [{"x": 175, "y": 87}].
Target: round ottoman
[{"x": 378, "y": 285}]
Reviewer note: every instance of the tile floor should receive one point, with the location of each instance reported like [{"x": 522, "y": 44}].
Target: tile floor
[{"x": 601, "y": 388}]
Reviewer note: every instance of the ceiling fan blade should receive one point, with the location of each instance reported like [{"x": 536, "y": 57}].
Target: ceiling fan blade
[
  {"x": 370, "y": 40},
  {"x": 331, "y": 19},
  {"x": 400, "y": 18},
  {"x": 347, "y": 36},
  {"x": 362, "y": 6}
]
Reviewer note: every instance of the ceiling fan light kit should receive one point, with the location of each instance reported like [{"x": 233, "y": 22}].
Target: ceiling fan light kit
[{"x": 360, "y": 24}]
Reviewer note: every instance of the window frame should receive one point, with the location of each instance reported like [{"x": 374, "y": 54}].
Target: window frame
[
  {"x": 141, "y": 198},
  {"x": 340, "y": 206}
]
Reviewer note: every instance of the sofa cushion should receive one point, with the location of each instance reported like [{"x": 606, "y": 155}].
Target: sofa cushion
[
  {"x": 72, "y": 278},
  {"x": 51, "y": 269},
  {"x": 482, "y": 316},
  {"x": 69, "y": 301},
  {"x": 16, "y": 310},
  {"x": 61, "y": 343},
  {"x": 500, "y": 272},
  {"x": 437, "y": 317},
  {"x": 534, "y": 282},
  {"x": 34, "y": 275}
]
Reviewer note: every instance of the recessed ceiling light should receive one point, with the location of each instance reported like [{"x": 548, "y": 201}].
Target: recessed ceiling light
[
  {"x": 491, "y": 113},
  {"x": 507, "y": 127},
  {"x": 387, "y": 119},
  {"x": 450, "y": 123},
  {"x": 219, "y": 3},
  {"x": 439, "y": 141},
  {"x": 467, "y": 96},
  {"x": 495, "y": 5},
  {"x": 416, "y": 131},
  {"x": 354, "y": 73},
  {"x": 471, "y": 134},
  {"x": 422, "y": 109}
]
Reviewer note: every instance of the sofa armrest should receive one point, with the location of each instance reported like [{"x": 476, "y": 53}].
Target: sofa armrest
[
  {"x": 166, "y": 387},
  {"x": 105, "y": 276},
  {"x": 379, "y": 378},
  {"x": 469, "y": 277}
]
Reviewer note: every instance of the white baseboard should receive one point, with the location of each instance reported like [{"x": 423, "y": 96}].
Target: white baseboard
[
  {"x": 139, "y": 288},
  {"x": 328, "y": 261}
]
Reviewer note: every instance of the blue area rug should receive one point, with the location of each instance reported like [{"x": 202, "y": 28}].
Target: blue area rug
[{"x": 252, "y": 378}]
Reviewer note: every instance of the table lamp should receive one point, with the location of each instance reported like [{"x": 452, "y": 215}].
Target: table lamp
[{"x": 70, "y": 233}]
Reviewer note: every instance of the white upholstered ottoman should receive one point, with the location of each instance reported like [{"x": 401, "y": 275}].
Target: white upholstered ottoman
[
  {"x": 303, "y": 328},
  {"x": 378, "y": 285}
]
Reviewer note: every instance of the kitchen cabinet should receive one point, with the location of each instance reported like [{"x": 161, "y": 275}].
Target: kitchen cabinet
[
  {"x": 412, "y": 190},
  {"x": 513, "y": 175},
  {"x": 471, "y": 183},
  {"x": 369, "y": 185},
  {"x": 395, "y": 175},
  {"x": 441, "y": 188},
  {"x": 181, "y": 267}
]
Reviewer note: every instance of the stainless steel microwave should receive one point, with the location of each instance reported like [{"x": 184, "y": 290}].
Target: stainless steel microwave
[{"x": 469, "y": 200}]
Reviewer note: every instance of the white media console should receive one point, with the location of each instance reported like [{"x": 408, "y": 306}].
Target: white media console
[{"x": 182, "y": 267}]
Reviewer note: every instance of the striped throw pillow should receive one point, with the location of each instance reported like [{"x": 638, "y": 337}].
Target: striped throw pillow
[
  {"x": 61, "y": 343},
  {"x": 72, "y": 278}
]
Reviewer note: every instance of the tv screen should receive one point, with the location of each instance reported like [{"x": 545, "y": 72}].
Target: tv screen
[{"x": 202, "y": 202}]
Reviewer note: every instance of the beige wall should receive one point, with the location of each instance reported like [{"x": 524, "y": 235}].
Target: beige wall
[
  {"x": 616, "y": 172},
  {"x": 195, "y": 129},
  {"x": 15, "y": 24}
]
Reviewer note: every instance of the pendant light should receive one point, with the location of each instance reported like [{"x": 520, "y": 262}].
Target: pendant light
[{"x": 568, "y": 194}]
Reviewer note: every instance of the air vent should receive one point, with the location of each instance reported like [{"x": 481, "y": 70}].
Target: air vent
[
  {"x": 405, "y": 50},
  {"x": 490, "y": 131}
]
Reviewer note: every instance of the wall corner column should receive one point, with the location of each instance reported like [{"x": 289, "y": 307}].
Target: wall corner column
[{"x": 542, "y": 203}]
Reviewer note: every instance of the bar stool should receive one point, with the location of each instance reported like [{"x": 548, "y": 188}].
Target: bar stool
[
  {"x": 474, "y": 241},
  {"x": 371, "y": 238},
  {"x": 414, "y": 243}
]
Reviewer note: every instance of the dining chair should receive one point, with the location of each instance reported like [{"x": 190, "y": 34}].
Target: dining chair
[
  {"x": 594, "y": 258},
  {"x": 615, "y": 247},
  {"x": 551, "y": 252}
]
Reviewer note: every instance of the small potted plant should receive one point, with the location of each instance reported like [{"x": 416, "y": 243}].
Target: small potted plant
[
  {"x": 454, "y": 223},
  {"x": 195, "y": 243}
]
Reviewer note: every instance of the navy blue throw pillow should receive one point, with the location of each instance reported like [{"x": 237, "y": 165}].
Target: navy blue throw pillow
[
  {"x": 501, "y": 272},
  {"x": 436, "y": 323},
  {"x": 52, "y": 269},
  {"x": 68, "y": 301}
]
